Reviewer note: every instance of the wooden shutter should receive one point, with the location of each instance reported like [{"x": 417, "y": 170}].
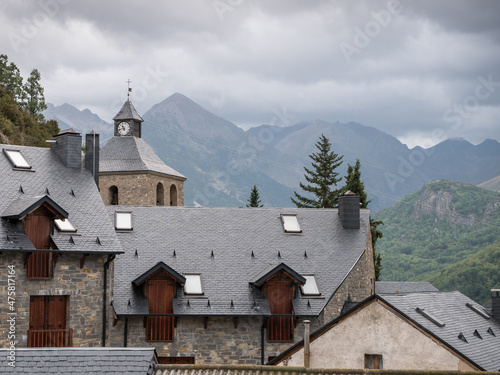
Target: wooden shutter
[
  {"x": 279, "y": 296},
  {"x": 160, "y": 294},
  {"x": 47, "y": 326},
  {"x": 37, "y": 227}
]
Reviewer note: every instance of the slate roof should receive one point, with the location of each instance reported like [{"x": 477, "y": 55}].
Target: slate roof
[
  {"x": 127, "y": 154},
  {"x": 382, "y": 287},
  {"x": 128, "y": 112},
  {"x": 73, "y": 190},
  {"x": 232, "y": 247},
  {"x": 81, "y": 361},
  {"x": 450, "y": 309}
]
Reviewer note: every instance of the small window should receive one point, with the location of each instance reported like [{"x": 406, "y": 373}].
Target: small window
[
  {"x": 64, "y": 225},
  {"x": 17, "y": 159},
  {"x": 193, "y": 284},
  {"x": 310, "y": 288},
  {"x": 290, "y": 224},
  {"x": 373, "y": 361},
  {"x": 123, "y": 220}
]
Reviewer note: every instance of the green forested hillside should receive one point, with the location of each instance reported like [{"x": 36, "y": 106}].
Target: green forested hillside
[{"x": 433, "y": 234}]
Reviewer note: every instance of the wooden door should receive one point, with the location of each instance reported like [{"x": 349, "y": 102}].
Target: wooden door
[
  {"x": 47, "y": 327},
  {"x": 37, "y": 227},
  {"x": 279, "y": 296},
  {"x": 160, "y": 294}
]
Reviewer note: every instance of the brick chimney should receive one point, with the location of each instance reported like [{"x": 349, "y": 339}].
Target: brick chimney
[
  {"x": 92, "y": 154},
  {"x": 349, "y": 210},
  {"x": 67, "y": 145},
  {"x": 495, "y": 304}
]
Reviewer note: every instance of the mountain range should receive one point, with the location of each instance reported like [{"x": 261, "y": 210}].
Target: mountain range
[{"x": 223, "y": 162}]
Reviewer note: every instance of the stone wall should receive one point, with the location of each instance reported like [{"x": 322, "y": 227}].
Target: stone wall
[
  {"x": 83, "y": 286},
  {"x": 139, "y": 188}
]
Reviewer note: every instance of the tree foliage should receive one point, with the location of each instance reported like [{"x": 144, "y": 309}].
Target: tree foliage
[
  {"x": 34, "y": 99},
  {"x": 322, "y": 178},
  {"x": 254, "y": 200}
]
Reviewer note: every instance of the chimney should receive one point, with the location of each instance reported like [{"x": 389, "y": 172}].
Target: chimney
[
  {"x": 92, "y": 154},
  {"x": 495, "y": 304},
  {"x": 67, "y": 145},
  {"x": 349, "y": 210}
]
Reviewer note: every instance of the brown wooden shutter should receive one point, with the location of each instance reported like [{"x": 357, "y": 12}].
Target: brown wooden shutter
[
  {"x": 47, "y": 326},
  {"x": 160, "y": 294},
  {"x": 37, "y": 312},
  {"x": 37, "y": 226},
  {"x": 279, "y": 296}
]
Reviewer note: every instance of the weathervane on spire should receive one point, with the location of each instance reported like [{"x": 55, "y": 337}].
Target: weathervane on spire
[{"x": 129, "y": 88}]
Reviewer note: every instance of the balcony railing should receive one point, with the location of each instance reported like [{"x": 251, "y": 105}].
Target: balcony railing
[{"x": 50, "y": 338}]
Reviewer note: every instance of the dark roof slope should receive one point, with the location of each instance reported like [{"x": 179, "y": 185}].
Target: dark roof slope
[
  {"x": 232, "y": 247},
  {"x": 126, "y": 154},
  {"x": 128, "y": 112},
  {"x": 383, "y": 287},
  {"x": 81, "y": 361},
  {"x": 73, "y": 190}
]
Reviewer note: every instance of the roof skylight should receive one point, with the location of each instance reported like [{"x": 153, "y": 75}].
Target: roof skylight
[
  {"x": 430, "y": 317},
  {"x": 64, "y": 225},
  {"x": 290, "y": 224},
  {"x": 310, "y": 288},
  {"x": 17, "y": 159},
  {"x": 123, "y": 220},
  {"x": 193, "y": 284},
  {"x": 478, "y": 310}
]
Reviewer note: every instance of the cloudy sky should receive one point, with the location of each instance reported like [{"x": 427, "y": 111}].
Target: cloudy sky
[{"x": 421, "y": 71}]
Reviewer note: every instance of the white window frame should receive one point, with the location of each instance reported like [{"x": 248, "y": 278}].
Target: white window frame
[
  {"x": 119, "y": 225},
  {"x": 17, "y": 159},
  {"x": 290, "y": 223},
  {"x": 193, "y": 285},
  {"x": 311, "y": 283},
  {"x": 64, "y": 225}
]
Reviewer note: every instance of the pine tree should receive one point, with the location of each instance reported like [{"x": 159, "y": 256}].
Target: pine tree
[
  {"x": 35, "y": 100},
  {"x": 10, "y": 78},
  {"x": 354, "y": 184},
  {"x": 254, "y": 200},
  {"x": 322, "y": 178}
]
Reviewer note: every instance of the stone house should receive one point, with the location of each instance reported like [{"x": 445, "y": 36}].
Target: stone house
[
  {"x": 56, "y": 243},
  {"x": 406, "y": 331}
]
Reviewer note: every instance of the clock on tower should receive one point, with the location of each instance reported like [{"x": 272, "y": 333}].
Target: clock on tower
[{"x": 128, "y": 122}]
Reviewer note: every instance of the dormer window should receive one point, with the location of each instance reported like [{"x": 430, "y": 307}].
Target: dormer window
[
  {"x": 123, "y": 220},
  {"x": 17, "y": 159},
  {"x": 64, "y": 225},
  {"x": 193, "y": 285},
  {"x": 290, "y": 224},
  {"x": 310, "y": 288}
]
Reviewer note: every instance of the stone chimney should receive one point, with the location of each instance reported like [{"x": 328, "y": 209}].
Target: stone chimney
[
  {"x": 495, "y": 304},
  {"x": 92, "y": 154},
  {"x": 67, "y": 145},
  {"x": 349, "y": 210}
]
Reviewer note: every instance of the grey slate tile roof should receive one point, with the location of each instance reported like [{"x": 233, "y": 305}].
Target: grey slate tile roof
[
  {"x": 132, "y": 154},
  {"x": 81, "y": 361},
  {"x": 382, "y": 287},
  {"x": 184, "y": 238},
  {"x": 74, "y": 190},
  {"x": 450, "y": 309},
  {"x": 128, "y": 112}
]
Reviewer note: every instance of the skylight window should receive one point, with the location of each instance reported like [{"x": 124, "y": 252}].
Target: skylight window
[
  {"x": 17, "y": 159},
  {"x": 430, "y": 317},
  {"x": 193, "y": 284},
  {"x": 123, "y": 220},
  {"x": 290, "y": 224},
  {"x": 310, "y": 288},
  {"x": 64, "y": 225},
  {"x": 478, "y": 310}
]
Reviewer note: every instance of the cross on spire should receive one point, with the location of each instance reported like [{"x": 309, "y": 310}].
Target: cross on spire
[{"x": 129, "y": 89}]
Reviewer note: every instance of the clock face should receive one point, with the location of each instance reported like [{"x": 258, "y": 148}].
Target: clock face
[{"x": 123, "y": 128}]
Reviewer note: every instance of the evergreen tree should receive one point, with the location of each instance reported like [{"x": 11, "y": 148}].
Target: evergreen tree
[
  {"x": 354, "y": 184},
  {"x": 35, "y": 100},
  {"x": 322, "y": 178},
  {"x": 10, "y": 78},
  {"x": 254, "y": 200}
]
